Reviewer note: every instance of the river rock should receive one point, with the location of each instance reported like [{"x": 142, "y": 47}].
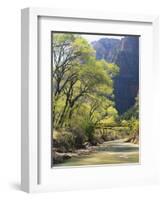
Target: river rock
[
  {"x": 60, "y": 157},
  {"x": 83, "y": 151}
]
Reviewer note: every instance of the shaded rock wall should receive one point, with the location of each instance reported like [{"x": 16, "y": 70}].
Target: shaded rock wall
[{"x": 125, "y": 53}]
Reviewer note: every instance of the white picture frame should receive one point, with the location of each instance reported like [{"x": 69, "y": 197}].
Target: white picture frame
[{"x": 35, "y": 175}]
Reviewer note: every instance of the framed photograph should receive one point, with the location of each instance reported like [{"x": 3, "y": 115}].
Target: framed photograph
[{"x": 88, "y": 113}]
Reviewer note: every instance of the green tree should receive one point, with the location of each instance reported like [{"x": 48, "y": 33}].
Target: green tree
[{"x": 79, "y": 82}]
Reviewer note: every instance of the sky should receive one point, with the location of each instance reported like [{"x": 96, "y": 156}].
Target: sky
[{"x": 91, "y": 38}]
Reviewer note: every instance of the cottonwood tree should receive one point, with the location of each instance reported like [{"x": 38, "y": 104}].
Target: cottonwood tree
[{"x": 78, "y": 79}]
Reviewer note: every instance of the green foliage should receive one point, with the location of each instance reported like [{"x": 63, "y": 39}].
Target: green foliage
[
  {"x": 133, "y": 111},
  {"x": 124, "y": 123},
  {"x": 88, "y": 127},
  {"x": 134, "y": 125},
  {"x": 79, "y": 79},
  {"x": 111, "y": 118},
  {"x": 130, "y": 119},
  {"x": 64, "y": 141},
  {"x": 79, "y": 137}
]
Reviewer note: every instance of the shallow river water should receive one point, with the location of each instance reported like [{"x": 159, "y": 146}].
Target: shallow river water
[{"x": 112, "y": 152}]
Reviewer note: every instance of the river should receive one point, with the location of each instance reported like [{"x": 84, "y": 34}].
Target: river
[{"x": 112, "y": 152}]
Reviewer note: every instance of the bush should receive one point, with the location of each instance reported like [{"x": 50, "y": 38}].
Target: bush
[
  {"x": 68, "y": 140},
  {"x": 88, "y": 128},
  {"x": 79, "y": 137},
  {"x": 63, "y": 141}
]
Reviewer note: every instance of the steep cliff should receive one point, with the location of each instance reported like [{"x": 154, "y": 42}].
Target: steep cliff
[{"x": 125, "y": 53}]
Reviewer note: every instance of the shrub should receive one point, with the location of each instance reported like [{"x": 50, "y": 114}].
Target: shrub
[
  {"x": 88, "y": 128},
  {"x": 63, "y": 141},
  {"x": 79, "y": 137}
]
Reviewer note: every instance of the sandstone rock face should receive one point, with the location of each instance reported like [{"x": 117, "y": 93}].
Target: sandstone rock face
[{"x": 125, "y": 53}]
